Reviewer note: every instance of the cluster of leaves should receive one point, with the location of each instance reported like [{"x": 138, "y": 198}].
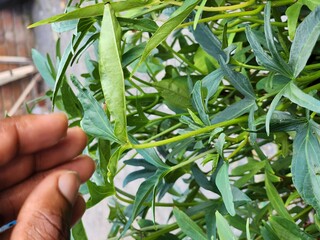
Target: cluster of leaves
[{"x": 192, "y": 92}]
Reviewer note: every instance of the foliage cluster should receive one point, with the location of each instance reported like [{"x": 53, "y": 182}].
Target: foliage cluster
[{"x": 191, "y": 93}]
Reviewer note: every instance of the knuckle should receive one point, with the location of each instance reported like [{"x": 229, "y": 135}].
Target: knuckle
[{"x": 48, "y": 225}]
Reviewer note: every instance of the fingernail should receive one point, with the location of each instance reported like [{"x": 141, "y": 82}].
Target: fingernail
[{"x": 69, "y": 184}]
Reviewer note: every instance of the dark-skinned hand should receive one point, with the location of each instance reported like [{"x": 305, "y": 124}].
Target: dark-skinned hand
[{"x": 40, "y": 174}]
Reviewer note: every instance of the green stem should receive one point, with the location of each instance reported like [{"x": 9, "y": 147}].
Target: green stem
[
  {"x": 246, "y": 65},
  {"x": 170, "y": 227},
  {"x": 185, "y": 60},
  {"x": 226, "y": 16},
  {"x": 191, "y": 160},
  {"x": 236, "y": 30},
  {"x": 255, "y": 20},
  {"x": 216, "y": 9},
  {"x": 312, "y": 66},
  {"x": 191, "y": 134},
  {"x": 174, "y": 127},
  {"x": 309, "y": 78}
]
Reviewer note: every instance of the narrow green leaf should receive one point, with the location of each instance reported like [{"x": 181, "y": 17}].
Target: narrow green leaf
[
  {"x": 224, "y": 230},
  {"x": 274, "y": 197},
  {"x": 98, "y": 193},
  {"x": 248, "y": 235},
  {"x": 150, "y": 155},
  {"x": 299, "y": 97},
  {"x": 235, "y": 110},
  {"x": 111, "y": 75},
  {"x": 271, "y": 42},
  {"x": 187, "y": 226},
  {"x": 261, "y": 56},
  {"x": 163, "y": 32},
  {"x": 305, "y": 39},
  {"x": 223, "y": 184},
  {"x": 132, "y": 54},
  {"x": 143, "y": 25},
  {"x": 198, "y": 14},
  {"x": 83, "y": 27},
  {"x": 198, "y": 102},
  {"x": 91, "y": 11},
  {"x": 238, "y": 80},
  {"x": 211, "y": 82},
  {"x": 78, "y": 231},
  {"x": 43, "y": 67},
  {"x": 287, "y": 230},
  {"x": 142, "y": 194},
  {"x": 306, "y": 164},
  {"x": 272, "y": 107},
  {"x": 94, "y": 121},
  {"x": 293, "y": 13},
  {"x": 71, "y": 104},
  {"x": 209, "y": 42}
]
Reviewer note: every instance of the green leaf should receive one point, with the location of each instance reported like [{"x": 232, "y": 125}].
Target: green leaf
[
  {"x": 209, "y": 42},
  {"x": 176, "y": 93},
  {"x": 223, "y": 184},
  {"x": 306, "y": 164},
  {"x": 224, "y": 230},
  {"x": 98, "y": 193},
  {"x": 70, "y": 102},
  {"x": 293, "y": 13},
  {"x": 78, "y": 231},
  {"x": 150, "y": 155},
  {"x": 305, "y": 39},
  {"x": 299, "y": 97},
  {"x": 187, "y": 226},
  {"x": 142, "y": 194},
  {"x": 143, "y": 25},
  {"x": 272, "y": 108},
  {"x": 261, "y": 56},
  {"x": 238, "y": 80},
  {"x": 132, "y": 54},
  {"x": 274, "y": 197},
  {"x": 43, "y": 67},
  {"x": 83, "y": 27},
  {"x": 271, "y": 42},
  {"x": 211, "y": 82},
  {"x": 198, "y": 102},
  {"x": 287, "y": 230},
  {"x": 111, "y": 75},
  {"x": 163, "y": 32},
  {"x": 91, "y": 11},
  {"x": 235, "y": 110},
  {"x": 198, "y": 14},
  {"x": 94, "y": 121}
]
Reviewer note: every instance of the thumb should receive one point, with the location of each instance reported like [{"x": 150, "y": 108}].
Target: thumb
[{"x": 48, "y": 211}]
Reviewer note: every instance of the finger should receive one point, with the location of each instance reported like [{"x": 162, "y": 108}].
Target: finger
[
  {"x": 27, "y": 134},
  {"x": 12, "y": 199},
  {"x": 25, "y": 166},
  {"x": 47, "y": 212}
]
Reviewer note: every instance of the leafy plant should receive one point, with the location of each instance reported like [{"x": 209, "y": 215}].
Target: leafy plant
[{"x": 192, "y": 93}]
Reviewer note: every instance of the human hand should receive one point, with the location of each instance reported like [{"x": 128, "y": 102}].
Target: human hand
[{"x": 40, "y": 173}]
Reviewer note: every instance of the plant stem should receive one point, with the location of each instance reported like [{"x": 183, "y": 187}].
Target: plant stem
[
  {"x": 191, "y": 134},
  {"x": 226, "y": 16},
  {"x": 174, "y": 127},
  {"x": 216, "y": 9}
]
